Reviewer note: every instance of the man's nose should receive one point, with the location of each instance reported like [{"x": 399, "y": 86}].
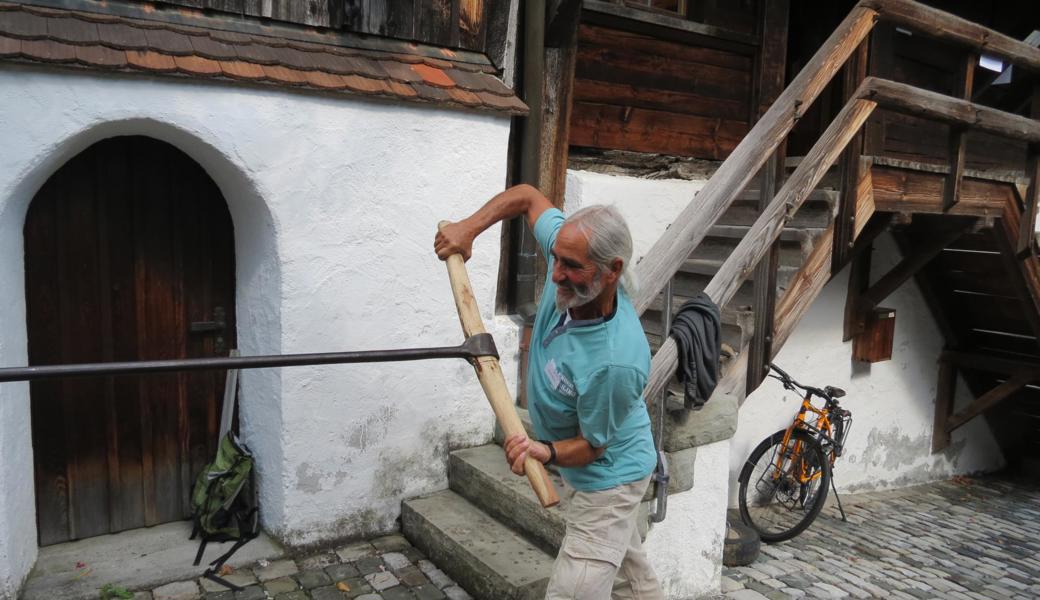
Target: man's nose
[{"x": 557, "y": 274}]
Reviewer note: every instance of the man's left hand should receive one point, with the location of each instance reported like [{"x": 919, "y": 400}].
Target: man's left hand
[{"x": 518, "y": 447}]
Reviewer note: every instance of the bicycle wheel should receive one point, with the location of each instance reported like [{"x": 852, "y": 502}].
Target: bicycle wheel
[{"x": 782, "y": 490}]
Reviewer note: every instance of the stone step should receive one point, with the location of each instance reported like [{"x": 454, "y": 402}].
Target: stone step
[
  {"x": 486, "y": 558},
  {"x": 481, "y": 476}
]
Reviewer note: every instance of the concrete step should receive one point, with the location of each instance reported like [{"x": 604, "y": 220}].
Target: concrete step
[
  {"x": 486, "y": 558},
  {"x": 482, "y": 477}
]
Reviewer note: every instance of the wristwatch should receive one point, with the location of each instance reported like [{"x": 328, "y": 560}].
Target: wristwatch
[{"x": 552, "y": 452}]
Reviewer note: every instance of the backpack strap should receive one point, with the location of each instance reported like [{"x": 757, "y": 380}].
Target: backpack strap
[{"x": 202, "y": 549}]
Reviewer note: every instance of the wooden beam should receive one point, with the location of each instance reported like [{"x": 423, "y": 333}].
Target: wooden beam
[
  {"x": 910, "y": 100},
  {"x": 993, "y": 397},
  {"x": 859, "y": 280},
  {"x": 899, "y": 190},
  {"x": 698, "y": 32},
  {"x": 764, "y": 290},
  {"x": 958, "y": 135},
  {"x": 988, "y": 362},
  {"x": 693, "y": 224},
  {"x": 944, "y": 26},
  {"x": 560, "y": 57},
  {"x": 944, "y": 395},
  {"x": 920, "y": 256},
  {"x": 1027, "y": 227},
  {"x": 1025, "y": 288},
  {"x": 845, "y": 219},
  {"x": 769, "y": 83}
]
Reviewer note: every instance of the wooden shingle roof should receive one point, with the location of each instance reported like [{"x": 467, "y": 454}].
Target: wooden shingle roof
[{"x": 111, "y": 42}]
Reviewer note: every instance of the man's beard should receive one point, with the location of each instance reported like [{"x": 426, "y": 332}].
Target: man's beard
[{"x": 578, "y": 295}]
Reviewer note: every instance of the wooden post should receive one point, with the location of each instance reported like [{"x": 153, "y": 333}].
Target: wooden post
[
  {"x": 845, "y": 220},
  {"x": 859, "y": 280},
  {"x": 772, "y": 58},
  {"x": 958, "y": 134},
  {"x": 561, "y": 53},
  {"x": 944, "y": 395},
  {"x": 1027, "y": 227},
  {"x": 764, "y": 290}
]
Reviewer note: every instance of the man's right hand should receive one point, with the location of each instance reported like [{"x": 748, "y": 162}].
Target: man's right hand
[{"x": 454, "y": 238}]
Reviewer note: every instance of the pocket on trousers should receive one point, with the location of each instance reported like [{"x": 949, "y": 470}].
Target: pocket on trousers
[{"x": 585, "y": 548}]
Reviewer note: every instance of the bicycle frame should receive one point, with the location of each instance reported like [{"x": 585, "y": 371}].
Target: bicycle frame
[{"x": 821, "y": 430}]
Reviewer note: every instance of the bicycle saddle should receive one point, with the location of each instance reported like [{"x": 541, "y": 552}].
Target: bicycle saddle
[{"x": 834, "y": 392}]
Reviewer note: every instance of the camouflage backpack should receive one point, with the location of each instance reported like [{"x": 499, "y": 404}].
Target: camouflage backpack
[{"x": 224, "y": 503}]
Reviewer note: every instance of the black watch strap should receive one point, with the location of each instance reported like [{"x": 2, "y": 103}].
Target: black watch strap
[{"x": 552, "y": 452}]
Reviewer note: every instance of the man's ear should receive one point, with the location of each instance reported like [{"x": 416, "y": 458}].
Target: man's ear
[{"x": 616, "y": 266}]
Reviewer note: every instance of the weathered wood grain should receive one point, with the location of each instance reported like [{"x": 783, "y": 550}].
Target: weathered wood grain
[
  {"x": 944, "y": 26},
  {"x": 991, "y": 398},
  {"x": 915, "y": 101},
  {"x": 944, "y": 395}
]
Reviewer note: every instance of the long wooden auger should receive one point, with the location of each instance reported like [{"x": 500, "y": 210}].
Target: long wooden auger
[{"x": 490, "y": 375}]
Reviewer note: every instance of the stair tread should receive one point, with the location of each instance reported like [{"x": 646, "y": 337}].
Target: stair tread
[
  {"x": 710, "y": 266},
  {"x": 788, "y": 234},
  {"x": 486, "y": 557},
  {"x": 482, "y": 476}
]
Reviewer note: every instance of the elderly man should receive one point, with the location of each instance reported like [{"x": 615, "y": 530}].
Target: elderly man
[{"x": 589, "y": 361}]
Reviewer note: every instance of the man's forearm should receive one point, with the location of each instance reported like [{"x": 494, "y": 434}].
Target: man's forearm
[
  {"x": 575, "y": 452},
  {"x": 519, "y": 200}
]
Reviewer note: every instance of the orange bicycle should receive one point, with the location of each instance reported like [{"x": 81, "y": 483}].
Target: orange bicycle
[{"x": 783, "y": 485}]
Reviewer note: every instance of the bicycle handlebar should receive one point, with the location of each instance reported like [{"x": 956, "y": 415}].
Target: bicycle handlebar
[{"x": 790, "y": 383}]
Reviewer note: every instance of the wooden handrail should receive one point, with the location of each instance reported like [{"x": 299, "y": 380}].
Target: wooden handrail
[
  {"x": 942, "y": 25},
  {"x": 911, "y": 100},
  {"x": 767, "y": 227}
]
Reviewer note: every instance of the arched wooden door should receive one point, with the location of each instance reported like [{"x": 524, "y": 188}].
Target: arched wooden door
[{"x": 129, "y": 255}]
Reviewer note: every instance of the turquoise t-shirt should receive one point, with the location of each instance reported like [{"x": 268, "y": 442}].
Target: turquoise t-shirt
[{"x": 587, "y": 376}]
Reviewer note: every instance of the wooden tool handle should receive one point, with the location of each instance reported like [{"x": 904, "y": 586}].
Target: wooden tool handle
[{"x": 490, "y": 375}]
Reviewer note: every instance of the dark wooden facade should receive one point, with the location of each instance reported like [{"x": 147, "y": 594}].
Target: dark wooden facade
[
  {"x": 651, "y": 83},
  {"x": 477, "y": 25}
]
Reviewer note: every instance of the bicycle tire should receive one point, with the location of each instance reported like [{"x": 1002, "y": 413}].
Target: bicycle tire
[{"x": 777, "y": 514}]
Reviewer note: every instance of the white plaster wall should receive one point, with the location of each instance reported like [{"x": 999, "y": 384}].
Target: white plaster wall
[
  {"x": 686, "y": 549},
  {"x": 649, "y": 205},
  {"x": 892, "y": 402},
  {"x": 335, "y": 202}
]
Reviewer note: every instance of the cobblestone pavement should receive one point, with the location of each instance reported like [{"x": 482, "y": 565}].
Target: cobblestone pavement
[
  {"x": 386, "y": 568},
  {"x": 963, "y": 539}
]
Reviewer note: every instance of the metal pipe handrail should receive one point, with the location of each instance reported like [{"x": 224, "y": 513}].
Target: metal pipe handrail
[{"x": 481, "y": 344}]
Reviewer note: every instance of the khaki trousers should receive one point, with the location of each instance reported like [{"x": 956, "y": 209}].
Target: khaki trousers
[{"x": 602, "y": 543}]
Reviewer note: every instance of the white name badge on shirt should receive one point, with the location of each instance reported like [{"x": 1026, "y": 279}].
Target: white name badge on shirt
[{"x": 558, "y": 381}]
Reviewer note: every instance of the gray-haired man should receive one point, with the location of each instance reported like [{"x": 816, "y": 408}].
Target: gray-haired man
[{"x": 589, "y": 362}]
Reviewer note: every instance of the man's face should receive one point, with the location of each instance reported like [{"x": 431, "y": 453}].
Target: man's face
[{"x": 578, "y": 280}]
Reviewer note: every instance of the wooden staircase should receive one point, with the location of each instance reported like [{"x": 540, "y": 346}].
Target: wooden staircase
[
  {"x": 795, "y": 245},
  {"x": 488, "y": 531}
]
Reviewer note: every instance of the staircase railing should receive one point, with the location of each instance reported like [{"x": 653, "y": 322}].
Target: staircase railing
[{"x": 691, "y": 226}]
